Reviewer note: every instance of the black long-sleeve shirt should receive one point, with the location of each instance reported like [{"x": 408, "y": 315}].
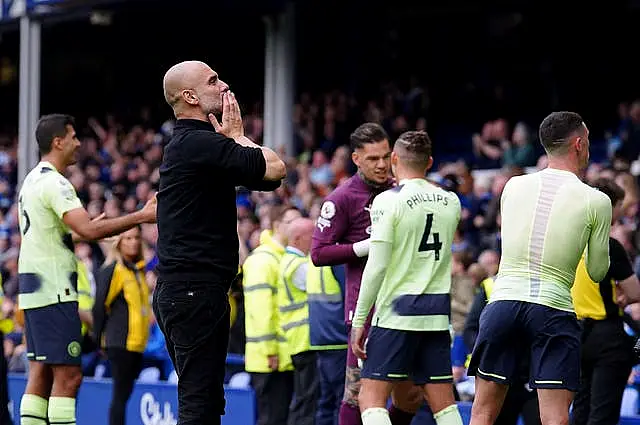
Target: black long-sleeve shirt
[
  {"x": 197, "y": 236},
  {"x": 472, "y": 322}
]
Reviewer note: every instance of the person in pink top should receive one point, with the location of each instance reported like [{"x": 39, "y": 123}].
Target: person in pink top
[{"x": 342, "y": 235}]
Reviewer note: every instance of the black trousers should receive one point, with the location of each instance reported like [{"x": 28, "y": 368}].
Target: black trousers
[
  {"x": 331, "y": 374},
  {"x": 306, "y": 389},
  {"x": 273, "y": 395},
  {"x": 125, "y": 368},
  {"x": 194, "y": 318},
  {"x": 606, "y": 362}
]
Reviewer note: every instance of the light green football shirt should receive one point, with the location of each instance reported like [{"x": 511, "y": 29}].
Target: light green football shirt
[
  {"x": 418, "y": 221},
  {"x": 548, "y": 219},
  {"x": 47, "y": 264}
]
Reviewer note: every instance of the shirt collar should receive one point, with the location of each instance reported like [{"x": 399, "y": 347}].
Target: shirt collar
[
  {"x": 47, "y": 164},
  {"x": 293, "y": 250},
  {"x": 405, "y": 181},
  {"x": 194, "y": 124}
]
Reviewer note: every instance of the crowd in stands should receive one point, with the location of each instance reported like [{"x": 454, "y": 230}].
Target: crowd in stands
[{"x": 118, "y": 170}]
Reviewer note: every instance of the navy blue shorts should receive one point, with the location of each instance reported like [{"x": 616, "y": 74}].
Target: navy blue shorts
[
  {"x": 423, "y": 357},
  {"x": 508, "y": 328},
  {"x": 54, "y": 334}
]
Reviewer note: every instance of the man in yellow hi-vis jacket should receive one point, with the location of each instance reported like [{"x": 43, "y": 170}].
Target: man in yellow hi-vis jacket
[
  {"x": 294, "y": 321},
  {"x": 266, "y": 355}
]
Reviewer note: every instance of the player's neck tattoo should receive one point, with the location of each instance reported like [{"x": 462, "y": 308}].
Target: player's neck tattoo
[{"x": 371, "y": 183}]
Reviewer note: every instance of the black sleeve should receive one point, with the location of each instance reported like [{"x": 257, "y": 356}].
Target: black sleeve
[
  {"x": 620, "y": 266},
  {"x": 103, "y": 283},
  {"x": 263, "y": 185},
  {"x": 472, "y": 323},
  {"x": 243, "y": 165}
]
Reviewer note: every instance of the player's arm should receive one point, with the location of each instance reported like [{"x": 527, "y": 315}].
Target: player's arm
[
  {"x": 77, "y": 238},
  {"x": 331, "y": 227},
  {"x": 597, "y": 253},
  {"x": 105, "y": 293},
  {"x": 78, "y": 221},
  {"x": 61, "y": 197},
  {"x": 383, "y": 219},
  {"x": 621, "y": 271},
  {"x": 372, "y": 278}
]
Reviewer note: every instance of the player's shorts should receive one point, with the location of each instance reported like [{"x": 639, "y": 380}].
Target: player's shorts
[
  {"x": 54, "y": 334},
  {"x": 423, "y": 357},
  {"x": 507, "y": 328}
]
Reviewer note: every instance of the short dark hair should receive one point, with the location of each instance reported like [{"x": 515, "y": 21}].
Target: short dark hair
[
  {"x": 611, "y": 189},
  {"x": 414, "y": 148},
  {"x": 51, "y": 126},
  {"x": 556, "y": 128},
  {"x": 369, "y": 132}
]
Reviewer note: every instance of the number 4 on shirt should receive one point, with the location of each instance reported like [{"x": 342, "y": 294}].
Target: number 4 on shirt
[{"x": 425, "y": 245}]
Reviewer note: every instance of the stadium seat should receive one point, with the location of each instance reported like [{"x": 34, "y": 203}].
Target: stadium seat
[
  {"x": 241, "y": 380},
  {"x": 100, "y": 371},
  {"x": 630, "y": 400},
  {"x": 149, "y": 375},
  {"x": 173, "y": 377}
]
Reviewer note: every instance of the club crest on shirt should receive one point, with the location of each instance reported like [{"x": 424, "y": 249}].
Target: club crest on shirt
[
  {"x": 328, "y": 210},
  {"x": 322, "y": 223},
  {"x": 66, "y": 190}
]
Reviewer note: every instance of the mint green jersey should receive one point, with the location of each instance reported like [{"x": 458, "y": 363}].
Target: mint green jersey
[
  {"x": 416, "y": 223},
  {"x": 548, "y": 219},
  {"x": 47, "y": 264}
]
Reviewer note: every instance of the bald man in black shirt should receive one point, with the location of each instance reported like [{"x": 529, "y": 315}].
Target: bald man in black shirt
[{"x": 197, "y": 239}]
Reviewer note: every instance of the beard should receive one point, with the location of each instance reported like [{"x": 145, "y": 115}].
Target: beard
[
  {"x": 209, "y": 106},
  {"x": 215, "y": 108}
]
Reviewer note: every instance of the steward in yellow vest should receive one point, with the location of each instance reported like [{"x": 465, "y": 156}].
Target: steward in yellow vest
[
  {"x": 325, "y": 293},
  {"x": 85, "y": 299},
  {"x": 260, "y": 273},
  {"x": 328, "y": 335},
  {"x": 292, "y": 301},
  {"x": 606, "y": 355},
  {"x": 294, "y": 321}
]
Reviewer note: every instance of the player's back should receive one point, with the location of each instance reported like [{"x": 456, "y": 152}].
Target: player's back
[
  {"x": 420, "y": 224},
  {"x": 548, "y": 218},
  {"x": 47, "y": 265}
]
